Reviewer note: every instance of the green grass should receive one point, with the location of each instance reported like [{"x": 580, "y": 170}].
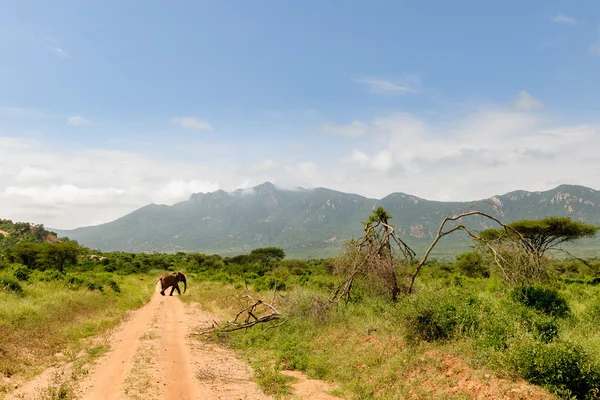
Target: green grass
[
  {"x": 373, "y": 348},
  {"x": 53, "y": 318}
]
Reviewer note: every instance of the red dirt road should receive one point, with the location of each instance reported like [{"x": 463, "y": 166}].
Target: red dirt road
[{"x": 155, "y": 355}]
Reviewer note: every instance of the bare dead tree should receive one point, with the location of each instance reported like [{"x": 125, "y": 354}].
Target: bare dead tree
[
  {"x": 500, "y": 255},
  {"x": 376, "y": 254},
  {"x": 255, "y": 312}
]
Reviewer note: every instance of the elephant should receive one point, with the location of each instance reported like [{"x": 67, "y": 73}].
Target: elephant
[{"x": 172, "y": 279}]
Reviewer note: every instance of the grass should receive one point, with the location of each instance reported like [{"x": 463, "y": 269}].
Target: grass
[
  {"x": 270, "y": 379},
  {"x": 50, "y": 320},
  {"x": 425, "y": 345}
]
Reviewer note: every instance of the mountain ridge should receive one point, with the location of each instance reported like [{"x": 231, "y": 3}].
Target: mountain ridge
[{"x": 312, "y": 222}]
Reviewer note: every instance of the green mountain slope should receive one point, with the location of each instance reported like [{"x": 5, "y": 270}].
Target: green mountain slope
[{"x": 313, "y": 222}]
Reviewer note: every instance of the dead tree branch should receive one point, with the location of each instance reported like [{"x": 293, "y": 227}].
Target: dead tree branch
[
  {"x": 498, "y": 258},
  {"x": 376, "y": 255},
  {"x": 256, "y": 312}
]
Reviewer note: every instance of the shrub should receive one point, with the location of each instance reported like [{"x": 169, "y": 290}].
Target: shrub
[
  {"x": 10, "y": 284},
  {"x": 269, "y": 283},
  {"x": 21, "y": 273},
  {"x": 430, "y": 324},
  {"x": 114, "y": 286},
  {"x": 308, "y": 305},
  {"x": 50, "y": 275},
  {"x": 110, "y": 268},
  {"x": 472, "y": 265},
  {"x": 95, "y": 286},
  {"x": 545, "y": 330},
  {"x": 440, "y": 316},
  {"x": 543, "y": 299},
  {"x": 293, "y": 354},
  {"x": 74, "y": 282},
  {"x": 562, "y": 367}
]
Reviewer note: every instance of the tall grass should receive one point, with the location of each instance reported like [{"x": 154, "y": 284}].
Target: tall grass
[
  {"x": 49, "y": 316},
  {"x": 379, "y": 349}
]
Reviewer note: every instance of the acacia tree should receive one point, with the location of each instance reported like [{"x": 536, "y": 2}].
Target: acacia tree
[
  {"x": 499, "y": 259},
  {"x": 266, "y": 254},
  {"x": 542, "y": 235},
  {"x": 59, "y": 255}
]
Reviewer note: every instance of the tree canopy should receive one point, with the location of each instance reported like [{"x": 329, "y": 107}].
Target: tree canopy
[
  {"x": 542, "y": 235},
  {"x": 266, "y": 254}
]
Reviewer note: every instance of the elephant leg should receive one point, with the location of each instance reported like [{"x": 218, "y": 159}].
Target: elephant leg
[
  {"x": 162, "y": 292},
  {"x": 172, "y": 289},
  {"x": 177, "y": 287}
]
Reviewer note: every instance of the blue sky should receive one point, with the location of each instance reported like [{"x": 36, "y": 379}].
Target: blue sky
[{"x": 107, "y": 106}]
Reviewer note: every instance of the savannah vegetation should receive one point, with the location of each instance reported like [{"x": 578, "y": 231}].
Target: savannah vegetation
[{"x": 514, "y": 308}]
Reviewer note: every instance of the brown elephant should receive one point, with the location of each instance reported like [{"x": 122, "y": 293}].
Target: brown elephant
[{"x": 172, "y": 279}]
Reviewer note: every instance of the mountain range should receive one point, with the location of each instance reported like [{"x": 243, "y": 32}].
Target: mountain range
[{"x": 317, "y": 222}]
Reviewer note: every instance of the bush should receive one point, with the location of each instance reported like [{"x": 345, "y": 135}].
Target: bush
[
  {"x": 21, "y": 274},
  {"x": 439, "y": 317},
  {"x": 269, "y": 283},
  {"x": 543, "y": 299},
  {"x": 545, "y": 330},
  {"x": 74, "y": 282},
  {"x": 50, "y": 275},
  {"x": 562, "y": 367},
  {"x": 10, "y": 284},
  {"x": 114, "y": 286},
  {"x": 472, "y": 265},
  {"x": 429, "y": 324}
]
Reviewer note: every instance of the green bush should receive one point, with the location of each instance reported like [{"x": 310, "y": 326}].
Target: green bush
[
  {"x": 430, "y": 324},
  {"x": 543, "y": 299},
  {"x": 74, "y": 282},
  {"x": 50, "y": 275},
  {"x": 92, "y": 282},
  {"x": 563, "y": 368},
  {"x": 436, "y": 316},
  {"x": 293, "y": 355},
  {"x": 94, "y": 286},
  {"x": 472, "y": 265},
  {"x": 21, "y": 273},
  {"x": 114, "y": 286},
  {"x": 545, "y": 330},
  {"x": 9, "y": 284},
  {"x": 269, "y": 283}
]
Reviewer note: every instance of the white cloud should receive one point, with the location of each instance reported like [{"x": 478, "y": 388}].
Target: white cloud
[
  {"x": 354, "y": 129},
  {"x": 526, "y": 102},
  {"x": 564, "y": 19},
  {"x": 595, "y": 48},
  {"x": 491, "y": 151},
  {"x": 78, "y": 121},
  {"x": 34, "y": 175},
  {"x": 192, "y": 123},
  {"x": 58, "y": 51},
  {"x": 66, "y": 187},
  {"x": 64, "y": 194},
  {"x": 471, "y": 156},
  {"x": 406, "y": 85},
  {"x": 179, "y": 190}
]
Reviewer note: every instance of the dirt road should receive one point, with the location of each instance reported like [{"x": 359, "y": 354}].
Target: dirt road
[{"x": 155, "y": 355}]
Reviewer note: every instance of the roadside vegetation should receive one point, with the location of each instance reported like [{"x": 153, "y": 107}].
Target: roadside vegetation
[
  {"x": 54, "y": 299},
  {"x": 495, "y": 321},
  {"x": 485, "y": 323}
]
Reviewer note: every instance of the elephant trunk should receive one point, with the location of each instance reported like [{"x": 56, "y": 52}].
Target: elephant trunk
[{"x": 184, "y": 283}]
